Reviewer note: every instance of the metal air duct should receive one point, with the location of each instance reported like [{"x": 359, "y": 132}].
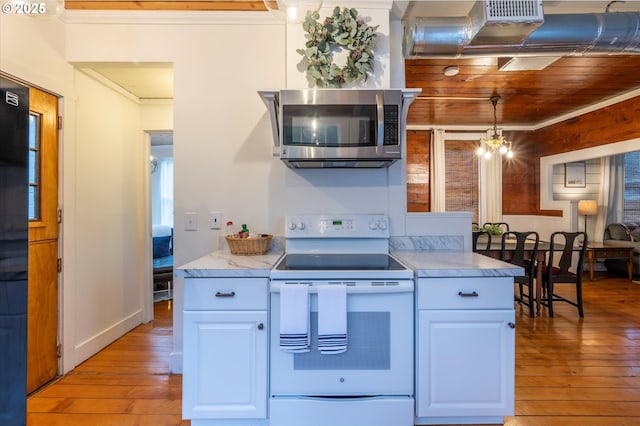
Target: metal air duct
[{"x": 560, "y": 35}]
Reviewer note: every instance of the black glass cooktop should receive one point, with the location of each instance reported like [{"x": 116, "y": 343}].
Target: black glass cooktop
[{"x": 338, "y": 262}]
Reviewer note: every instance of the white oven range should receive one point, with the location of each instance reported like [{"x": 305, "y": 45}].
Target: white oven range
[{"x": 371, "y": 383}]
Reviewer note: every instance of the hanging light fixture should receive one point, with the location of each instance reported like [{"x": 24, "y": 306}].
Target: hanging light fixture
[
  {"x": 293, "y": 11},
  {"x": 154, "y": 163},
  {"x": 498, "y": 143}
]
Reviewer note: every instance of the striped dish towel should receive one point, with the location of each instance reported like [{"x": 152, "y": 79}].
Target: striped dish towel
[
  {"x": 294, "y": 318},
  {"x": 332, "y": 319}
]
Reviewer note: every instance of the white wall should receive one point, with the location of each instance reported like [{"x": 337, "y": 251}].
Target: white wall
[
  {"x": 100, "y": 179},
  {"x": 590, "y": 191},
  {"x": 222, "y": 146},
  {"x": 109, "y": 215},
  {"x": 222, "y": 141}
]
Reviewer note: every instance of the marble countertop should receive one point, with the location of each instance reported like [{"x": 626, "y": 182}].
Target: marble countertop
[
  {"x": 425, "y": 263},
  {"x": 223, "y": 264},
  {"x": 455, "y": 263}
]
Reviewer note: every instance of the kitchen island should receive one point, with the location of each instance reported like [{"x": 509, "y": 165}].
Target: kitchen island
[{"x": 464, "y": 337}]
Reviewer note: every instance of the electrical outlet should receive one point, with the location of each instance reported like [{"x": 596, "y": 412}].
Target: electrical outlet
[
  {"x": 215, "y": 219},
  {"x": 191, "y": 221}
]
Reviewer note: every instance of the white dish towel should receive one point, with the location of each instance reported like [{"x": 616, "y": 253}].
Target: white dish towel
[
  {"x": 332, "y": 319},
  {"x": 294, "y": 318}
]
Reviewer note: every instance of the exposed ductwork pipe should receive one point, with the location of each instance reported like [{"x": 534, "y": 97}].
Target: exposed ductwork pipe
[{"x": 560, "y": 35}]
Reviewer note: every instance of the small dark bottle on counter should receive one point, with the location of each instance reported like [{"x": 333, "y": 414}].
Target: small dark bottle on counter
[{"x": 244, "y": 233}]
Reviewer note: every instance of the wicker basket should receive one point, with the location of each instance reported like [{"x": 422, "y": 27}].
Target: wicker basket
[{"x": 249, "y": 246}]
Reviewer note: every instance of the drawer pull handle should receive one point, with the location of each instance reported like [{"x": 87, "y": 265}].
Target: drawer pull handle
[
  {"x": 232, "y": 294},
  {"x": 260, "y": 326},
  {"x": 472, "y": 294},
  {"x": 511, "y": 325}
]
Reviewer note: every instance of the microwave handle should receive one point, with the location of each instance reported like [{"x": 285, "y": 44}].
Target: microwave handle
[{"x": 380, "y": 110}]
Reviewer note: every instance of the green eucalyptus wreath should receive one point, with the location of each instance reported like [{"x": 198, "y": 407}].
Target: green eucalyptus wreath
[{"x": 342, "y": 30}]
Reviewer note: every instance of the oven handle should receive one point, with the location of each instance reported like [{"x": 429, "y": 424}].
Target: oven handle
[{"x": 402, "y": 287}]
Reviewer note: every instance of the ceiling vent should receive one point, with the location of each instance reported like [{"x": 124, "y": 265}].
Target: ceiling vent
[
  {"x": 504, "y": 21},
  {"x": 493, "y": 29}
]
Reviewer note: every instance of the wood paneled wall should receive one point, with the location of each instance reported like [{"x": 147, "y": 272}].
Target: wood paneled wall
[
  {"x": 521, "y": 176},
  {"x": 611, "y": 124},
  {"x": 418, "y": 182}
]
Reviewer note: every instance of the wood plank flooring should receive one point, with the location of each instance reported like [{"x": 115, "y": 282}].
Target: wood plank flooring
[
  {"x": 128, "y": 383},
  {"x": 569, "y": 371}
]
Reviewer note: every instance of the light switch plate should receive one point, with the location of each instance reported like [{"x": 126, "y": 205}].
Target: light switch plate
[
  {"x": 191, "y": 221},
  {"x": 214, "y": 220}
]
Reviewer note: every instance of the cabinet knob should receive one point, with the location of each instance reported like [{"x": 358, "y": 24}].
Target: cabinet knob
[
  {"x": 511, "y": 325},
  {"x": 472, "y": 294},
  {"x": 260, "y": 326},
  {"x": 220, "y": 294}
]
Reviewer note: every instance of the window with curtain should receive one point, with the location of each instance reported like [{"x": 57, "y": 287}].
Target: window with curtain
[
  {"x": 632, "y": 186},
  {"x": 166, "y": 191},
  {"x": 461, "y": 181}
]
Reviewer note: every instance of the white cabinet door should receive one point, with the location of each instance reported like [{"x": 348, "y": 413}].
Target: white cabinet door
[
  {"x": 465, "y": 364},
  {"x": 225, "y": 365}
]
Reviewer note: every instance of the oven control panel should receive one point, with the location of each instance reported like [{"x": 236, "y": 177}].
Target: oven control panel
[{"x": 337, "y": 226}]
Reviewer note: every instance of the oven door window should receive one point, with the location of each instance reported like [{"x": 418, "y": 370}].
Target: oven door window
[
  {"x": 378, "y": 361},
  {"x": 368, "y": 342},
  {"x": 329, "y": 125}
]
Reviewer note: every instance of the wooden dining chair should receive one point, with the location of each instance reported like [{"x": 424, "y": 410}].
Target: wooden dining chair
[
  {"x": 524, "y": 254},
  {"x": 481, "y": 242},
  {"x": 566, "y": 255}
]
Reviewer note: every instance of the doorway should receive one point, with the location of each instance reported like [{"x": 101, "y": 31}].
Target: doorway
[{"x": 162, "y": 214}]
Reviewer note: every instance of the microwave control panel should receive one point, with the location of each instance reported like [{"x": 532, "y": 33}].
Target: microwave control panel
[{"x": 391, "y": 125}]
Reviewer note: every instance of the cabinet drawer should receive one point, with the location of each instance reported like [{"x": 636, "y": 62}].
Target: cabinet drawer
[
  {"x": 225, "y": 293},
  {"x": 465, "y": 293}
]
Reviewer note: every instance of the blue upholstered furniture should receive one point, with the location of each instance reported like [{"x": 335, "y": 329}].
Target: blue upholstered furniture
[{"x": 162, "y": 261}]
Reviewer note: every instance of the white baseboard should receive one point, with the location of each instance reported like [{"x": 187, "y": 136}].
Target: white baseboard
[{"x": 91, "y": 346}]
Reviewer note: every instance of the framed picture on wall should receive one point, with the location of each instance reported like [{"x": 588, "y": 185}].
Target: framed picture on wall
[{"x": 575, "y": 175}]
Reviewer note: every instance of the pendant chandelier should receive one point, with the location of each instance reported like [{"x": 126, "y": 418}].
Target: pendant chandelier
[{"x": 498, "y": 143}]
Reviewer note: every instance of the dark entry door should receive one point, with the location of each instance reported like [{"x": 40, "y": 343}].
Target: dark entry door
[{"x": 14, "y": 237}]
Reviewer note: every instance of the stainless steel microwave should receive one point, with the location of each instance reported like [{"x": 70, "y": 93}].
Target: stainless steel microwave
[{"x": 346, "y": 128}]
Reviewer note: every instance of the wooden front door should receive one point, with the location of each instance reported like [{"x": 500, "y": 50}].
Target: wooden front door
[{"x": 42, "y": 322}]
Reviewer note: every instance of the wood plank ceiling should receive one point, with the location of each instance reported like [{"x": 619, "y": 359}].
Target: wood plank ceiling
[
  {"x": 184, "y": 5},
  {"x": 527, "y": 98}
]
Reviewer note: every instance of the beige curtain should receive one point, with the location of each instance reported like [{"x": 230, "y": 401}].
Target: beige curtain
[
  {"x": 491, "y": 188},
  {"x": 437, "y": 171},
  {"x": 611, "y": 197}
]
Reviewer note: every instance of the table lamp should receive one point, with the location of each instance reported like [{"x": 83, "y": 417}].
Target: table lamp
[{"x": 587, "y": 208}]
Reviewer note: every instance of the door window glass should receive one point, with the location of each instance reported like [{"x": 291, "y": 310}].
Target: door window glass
[{"x": 34, "y": 166}]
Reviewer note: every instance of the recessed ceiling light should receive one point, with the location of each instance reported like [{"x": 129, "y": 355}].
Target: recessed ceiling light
[{"x": 451, "y": 71}]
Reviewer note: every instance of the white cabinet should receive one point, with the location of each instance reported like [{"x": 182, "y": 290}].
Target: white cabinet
[
  {"x": 465, "y": 360},
  {"x": 225, "y": 350}
]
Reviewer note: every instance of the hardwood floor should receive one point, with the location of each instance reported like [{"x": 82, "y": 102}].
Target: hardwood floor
[
  {"x": 127, "y": 383},
  {"x": 569, "y": 371},
  {"x": 572, "y": 371}
]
